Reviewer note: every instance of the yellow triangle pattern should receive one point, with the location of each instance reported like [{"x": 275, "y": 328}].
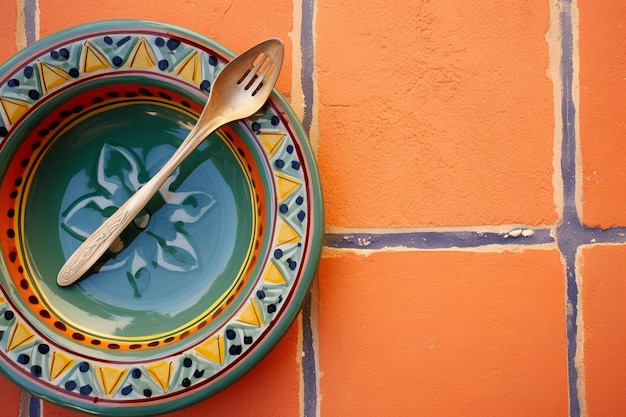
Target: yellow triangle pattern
[
  {"x": 14, "y": 109},
  {"x": 60, "y": 364},
  {"x": 52, "y": 77},
  {"x": 93, "y": 60},
  {"x": 142, "y": 56},
  {"x": 286, "y": 234},
  {"x": 161, "y": 373},
  {"x": 213, "y": 349},
  {"x": 273, "y": 275},
  {"x": 110, "y": 378},
  {"x": 286, "y": 185},
  {"x": 20, "y": 336},
  {"x": 251, "y": 314},
  {"x": 272, "y": 141},
  {"x": 190, "y": 68}
]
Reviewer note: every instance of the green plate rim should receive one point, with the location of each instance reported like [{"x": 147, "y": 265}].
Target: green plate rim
[{"x": 308, "y": 271}]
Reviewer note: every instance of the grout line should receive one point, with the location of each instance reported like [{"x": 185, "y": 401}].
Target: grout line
[
  {"x": 571, "y": 233},
  {"x": 438, "y": 239},
  {"x": 309, "y": 366},
  {"x": 31, "y": 20},
  {"x": 574, "y": 233},
  {"x": 571, "y": 229},
  {"x": 307, "y": 48},
  {"x": 34, "y": 407}
]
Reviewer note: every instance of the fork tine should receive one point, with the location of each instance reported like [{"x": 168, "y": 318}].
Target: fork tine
[
  {"x": 257, "y": 83},
  {"x": 249, "y": 75}
]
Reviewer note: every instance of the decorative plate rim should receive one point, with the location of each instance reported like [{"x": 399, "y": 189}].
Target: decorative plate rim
[{"x": 290, "y": 149}]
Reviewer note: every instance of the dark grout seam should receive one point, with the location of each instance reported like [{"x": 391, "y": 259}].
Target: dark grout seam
[
  {"x": 309, "y": 366},
  {"x": 437, "y": 240},
  {"x": 571, "y": 235},
  {"x": 30, "y": 20},
  {"x": 570, "y": 228}
]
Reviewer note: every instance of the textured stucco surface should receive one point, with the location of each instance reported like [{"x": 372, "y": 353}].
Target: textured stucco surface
[{"x": 472, "y": 162}]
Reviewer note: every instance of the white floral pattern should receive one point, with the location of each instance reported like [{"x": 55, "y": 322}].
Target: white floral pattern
[{"x": 160, "y": 239}]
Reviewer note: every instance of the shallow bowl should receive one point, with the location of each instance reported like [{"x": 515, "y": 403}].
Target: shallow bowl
[{"x": 205, "y": 280}]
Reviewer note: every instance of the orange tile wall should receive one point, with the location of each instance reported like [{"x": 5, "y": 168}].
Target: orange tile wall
[{"x": 472, "y": 157}]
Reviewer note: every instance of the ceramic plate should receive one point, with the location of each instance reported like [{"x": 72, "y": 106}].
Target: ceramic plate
[{"x": 204, "y": 282}]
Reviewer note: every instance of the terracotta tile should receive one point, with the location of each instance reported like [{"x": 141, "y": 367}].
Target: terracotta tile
[
  {"x": 604, "y": 316},
  {"x": 10, "y": 397},
  {"x": 270, "y": 389},
  {"x": 435, "y": 113},
  {"x": 237, "y": 25},
  {"x": 7, "y": 30},
  {"x": 602, "y": 112},
  {"x": 442, "y": 334}
]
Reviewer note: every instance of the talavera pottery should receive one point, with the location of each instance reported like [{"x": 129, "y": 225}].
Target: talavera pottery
[{"x": 204, "y": 282}]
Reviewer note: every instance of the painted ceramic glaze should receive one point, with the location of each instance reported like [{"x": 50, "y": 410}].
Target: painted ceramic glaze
[{"x": 204, "y": 282}]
